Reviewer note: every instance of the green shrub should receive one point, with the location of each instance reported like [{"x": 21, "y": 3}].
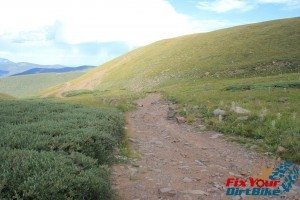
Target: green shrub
[
  {"x": 76, "y": 93},
  {"x": 295, "y": 84},
  {"x": 55, "y": 151},
  {"x": 60, "y": 127},
  {"x": 28, "y": 174}
]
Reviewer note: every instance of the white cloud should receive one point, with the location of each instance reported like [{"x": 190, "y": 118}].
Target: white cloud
[
  {"x": 224, "y": 5},
  {"x": 135, "y": 22},
  {"x": 242, "y": 5},
  {"x": 80, "y": 31}
]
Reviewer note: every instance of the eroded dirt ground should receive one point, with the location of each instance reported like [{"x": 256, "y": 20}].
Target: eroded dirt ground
[{"x": 177, "y": 161}]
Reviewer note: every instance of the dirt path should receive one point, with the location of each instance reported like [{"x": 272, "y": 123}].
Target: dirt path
[{"x": 176, "y": 160}]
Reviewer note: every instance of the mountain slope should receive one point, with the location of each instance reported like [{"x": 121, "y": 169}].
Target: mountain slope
[
  {"x": 249, "y": 72},
  {"x": 244, "y": 51},
  {"x": 53, "y": 70}
]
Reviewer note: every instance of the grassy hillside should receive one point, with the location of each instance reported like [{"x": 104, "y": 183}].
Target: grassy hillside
[
  {"x": 56, "y": 151},
  {"x": 30, "y": 85},
  {"x": 244, "y": 51},
  {"x": 254, "y": 66},
  {"x": 5, "y": 96}
]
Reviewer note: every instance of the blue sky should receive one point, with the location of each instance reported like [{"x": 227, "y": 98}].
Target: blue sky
[{"x": 92, "y": 32}]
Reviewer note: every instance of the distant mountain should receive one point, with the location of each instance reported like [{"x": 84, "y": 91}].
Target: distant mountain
[
  {"x": 3, "y": 72},
  {"x": 54, "y": 70},
  {"x": 9, "y": 68},
  {"x": 5, "y": 61}
]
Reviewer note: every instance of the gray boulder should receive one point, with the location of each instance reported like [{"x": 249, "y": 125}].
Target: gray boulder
[
  {"x": 218, "y": 112},
  {"x": 240, "y": 110}
]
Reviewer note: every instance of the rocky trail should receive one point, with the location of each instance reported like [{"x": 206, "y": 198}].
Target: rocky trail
[{"x": 178, "y": 161}]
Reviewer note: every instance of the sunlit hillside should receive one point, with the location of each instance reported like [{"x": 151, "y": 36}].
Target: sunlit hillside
[{"x": 253, "y": 66}]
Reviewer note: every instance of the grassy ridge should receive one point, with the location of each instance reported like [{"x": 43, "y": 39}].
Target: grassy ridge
[
  {"x": 254, "y": 66},
  {"x": 261, "y": 49},
  {"x": 56, "y": 151},
  {"x": 31, "y": 85}
]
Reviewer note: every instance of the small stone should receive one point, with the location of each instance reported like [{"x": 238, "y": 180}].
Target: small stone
[
  {"x": 184, "y": 167},
  {"x": 180, "y": 120},
  {"x": 154, "y": 102},
  {"x": 135, "y": 164},
  {"x": 212, "y": 190},
  {"x": 240, "y": 110},
  {"x": 187, "y": 180},
  {"x": 175, "y": 140},
  {"x": 268, "y": 153},
  {"x": 132, "y": 140},
  {"x": 167, "y": 192},
  {"x": 198, "y": 179},
  {"x": 196, "y": 192},
  {"x": 199, "y": 163},
  {"x": 217, "y": 185},
  {"x": 220, "y": 118},
  {"x": 283, "y": 99},
  {"x": 218, "y": 112},
  {"x": 281, "y": 149},
  {"x": 202, "y": 127},
  {"x": 243, "y": 173},
  {"x": 133, "y": 173},
  {"x": 187, "y": 144},
  {"x": 139, "y": 186},
  {"x": 184, "y": 155},
  {"x": 157, "y": 170},
  {"x": 171, "y": 113},
  {"x": 214, "y": 136}
]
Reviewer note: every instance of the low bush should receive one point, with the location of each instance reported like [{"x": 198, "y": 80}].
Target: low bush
[
  {"x": 76, "y": 93},
  {"x": 56, "y": 151},
  {"x": 286, "y": 85},
  {"x": 29, "y": 174}
]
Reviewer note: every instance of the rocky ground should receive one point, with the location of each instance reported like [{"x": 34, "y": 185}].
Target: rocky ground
[{"x": 180, "y": 161}]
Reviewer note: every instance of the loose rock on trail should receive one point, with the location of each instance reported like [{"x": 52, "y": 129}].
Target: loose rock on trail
[{"x": 179, "y": 161}]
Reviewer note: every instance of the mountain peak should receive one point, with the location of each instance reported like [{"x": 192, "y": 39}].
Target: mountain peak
[
  {"x": 4, "y": 60},
  {"x": 8, "y": 68}
]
